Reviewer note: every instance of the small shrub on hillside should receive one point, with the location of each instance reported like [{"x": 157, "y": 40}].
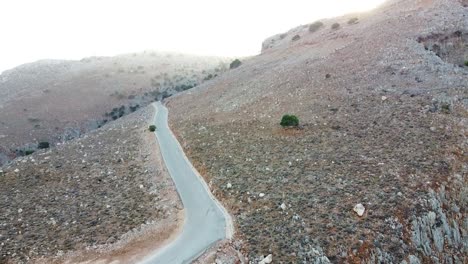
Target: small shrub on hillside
[
  {"x": 133, "y": 108},
  {"x": 353, "y": 20},
  {"x": 235, "y": 63},
  {"x": 208, "y": 77},
  {"x": 335, "y": 26},
  {"x": 152, "y": 128},
  {"x": 165, "y": 95},
  {"x": 28, "y": 152},
  {"x": 289, "y": 121},
  {"x": 43, "y": 145},
  {"x": 296, "y": 37},
  {"x": 466, "y": 63},
  {"x": 315, "y": 26},
  {"x": 445, "y": 108}
]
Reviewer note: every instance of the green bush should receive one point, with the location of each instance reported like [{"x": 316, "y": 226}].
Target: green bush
[
  {"x": 466, "y": 63},
  {"x": 289, "y": 120},
  {"x": 152, "y": 128},
  {"x": 315, "y": 26},
  {"x": 43, "y": 145},
  {"x": 296, "y": 37},
  {"x": 335, "y": 26},
  {"x": 445, "y": 108},
  {"x": 235, "y": 63},
  {"x": 28, "y": 152}
]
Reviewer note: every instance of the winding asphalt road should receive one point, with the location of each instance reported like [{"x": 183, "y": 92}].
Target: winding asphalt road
[{"x": 206, "y": 221}]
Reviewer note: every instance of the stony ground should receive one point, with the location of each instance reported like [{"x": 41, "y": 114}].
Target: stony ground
[
  {"x": 85, "y": 195},
  {"x": 384, "y": 119}
]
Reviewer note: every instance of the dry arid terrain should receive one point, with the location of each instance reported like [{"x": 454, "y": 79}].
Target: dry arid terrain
[
  {"x": 54, "y": 101},
  {"x": 382, "y": 99},
  {"x": 104, "y": 197}
]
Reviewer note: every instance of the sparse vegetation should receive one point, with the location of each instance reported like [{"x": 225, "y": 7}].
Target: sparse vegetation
[
  {"x": 315, "y": 26},
  {"x": 46, "y": 182},
  {"x": 327, "y": 76},
  {"x": 235, "y": 63},
  {"x": 466, "y": 63},
  {"x": 289, "y": 121},
  {"x": 24, "y": 152},
  {"x": 133, "y": 108},
  {"x": 335, "y": 26},
  {"x": 353, "y": 20},
  {"x": 34, "y": 120},
  {"x": 208, "y": 77},
  {"x": 445, "y": 108},
  {"x": 152, "y": 128},
  {"x": 296, "y": 37},
  {"x": 43, "y": 145}
]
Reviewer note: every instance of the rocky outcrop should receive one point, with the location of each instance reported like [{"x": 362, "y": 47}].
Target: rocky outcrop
[
  {"x": 441, "y": 234},
  {"x": 450, "y": 47}
]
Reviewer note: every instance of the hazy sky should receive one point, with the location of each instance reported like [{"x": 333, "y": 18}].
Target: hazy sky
[{"x": 65, "y": 29}]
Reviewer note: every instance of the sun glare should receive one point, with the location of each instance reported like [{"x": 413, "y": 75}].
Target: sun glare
[{"x": 58, "y": 29}]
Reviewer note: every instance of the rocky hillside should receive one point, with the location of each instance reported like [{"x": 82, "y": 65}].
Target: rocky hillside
[
  {"x": 377, "y": 170},
  {"x": 104, "y": 196},
  {"x": 55, "y": 101}
]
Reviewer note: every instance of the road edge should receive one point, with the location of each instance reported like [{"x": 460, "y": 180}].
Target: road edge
[{"x": 229, "y": 224}]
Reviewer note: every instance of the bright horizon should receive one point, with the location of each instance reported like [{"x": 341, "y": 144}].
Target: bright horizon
[{"x": 54, "y": 29}]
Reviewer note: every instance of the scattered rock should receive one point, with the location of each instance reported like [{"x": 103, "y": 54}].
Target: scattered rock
[
  {"x": 267, "y": 260},
  {"x": 229, "y": 185},
  {"x": 261, "y": 195},
  {"x": 359, "y": 209},
  {"x": 414, "y": 260},
  {"x": 283, "y": 206}
]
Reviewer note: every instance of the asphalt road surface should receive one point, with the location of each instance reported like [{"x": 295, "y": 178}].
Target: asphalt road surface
[{"x": 206, "y": 221}]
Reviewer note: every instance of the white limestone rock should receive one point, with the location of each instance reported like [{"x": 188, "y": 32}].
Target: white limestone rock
[{"x": 359, "y": 209}]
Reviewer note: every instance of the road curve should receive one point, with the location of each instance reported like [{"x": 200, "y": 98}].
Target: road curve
[{"x": 206, "y": 221}]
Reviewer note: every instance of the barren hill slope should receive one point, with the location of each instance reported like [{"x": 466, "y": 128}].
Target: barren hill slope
[
  {"x": 58, "y": 100},
  {"x": 105, "y": 196},
  {"x": 383, "y": 103}
]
